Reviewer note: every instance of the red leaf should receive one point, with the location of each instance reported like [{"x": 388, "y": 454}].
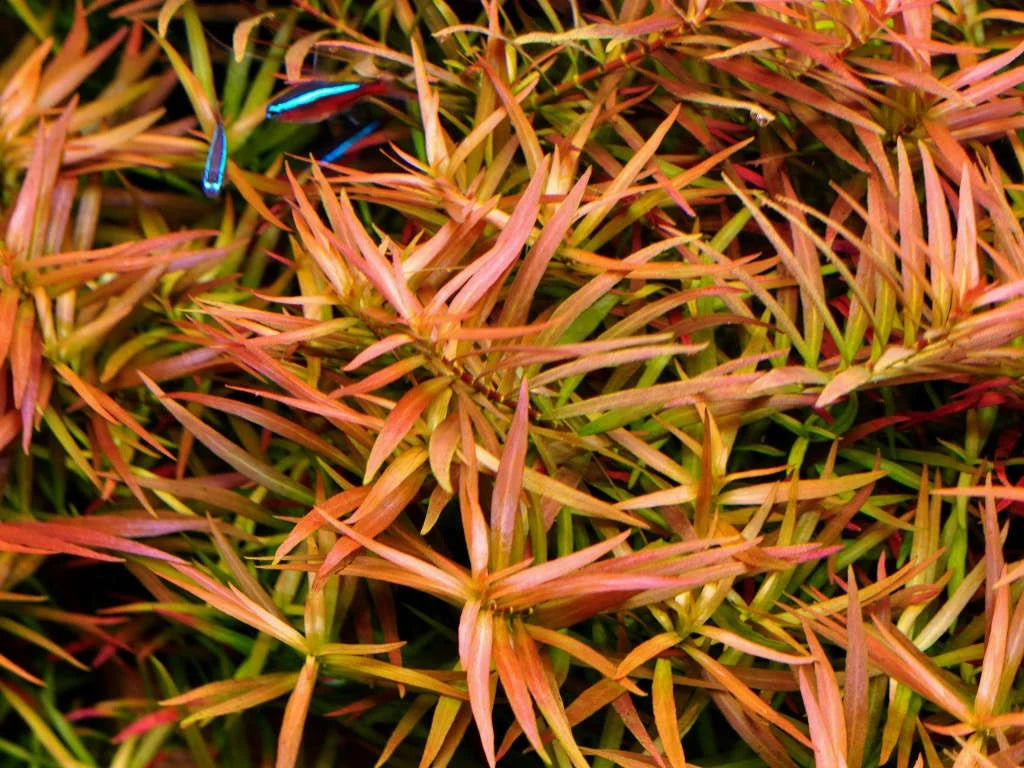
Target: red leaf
[
  {"x": 401, "y": 420},
  {"x": 508, "y": 485},
  {"x": 476, "y": 631},
  {"x": 146, "y": 723},
  {"x": 513, "y": 680}
]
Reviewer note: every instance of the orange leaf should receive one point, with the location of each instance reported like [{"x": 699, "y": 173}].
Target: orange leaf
[
  {"x": 478, "y": 279},
  {"x": 58, "y": 537},
  {"x": 517, "y": 582},
  {"x": 295, "y": 712},
  {"x": 894, "y": 654},
  {"x": 437, "y": 143},
  {"x": 622, "y": 758},
  {"x": 10, "y": 426},
  {"x": 382, "y": 377},
  {"x": 373, "y": 669},
  {"x": 19, "y": 93},
  {"x": 821, "y": 695},
  {"x": 243, "y": 31},
  {"x": 513, "y": 680},
  {"x": 211, "y": 491},
  {"x": 71, "y": 67},
  {"x": 551, "y": 488},
  {"x": 167, "y": 11},
  {"x": 994, "y": 667},
  {"x": 205, "y": 111},
  {"x": 645, "y": 651},
  {"x": 855, "y": 690},
  {"x": 24, "y": 341},
  {"x": 336, "y": 506},
  {"x": 10, "y": 666},
  {"x": 745, "y": 697},
  {"x": 404, "y": 727},
  {"x": 240, "y": 180},
  {"x": 966, "y": 269},
  {"x": 281, "y": 425},
  {"x": 476, "y": 633},
  {"x": 517, "y": 116},
  {"x": 665, "y": 718},
  {"x": 753, "y": 731},
  {"x": 228, "y": 696},
  {"x": 817, "y": 721},
  {"x": 532, "y": 268},
  {"x": 10, "y": 298},
  {"x": 842, "y": 384},
  {"x": 627, "y": 712},
  {"x": 805, "y": 489},
  {"x": 401, "y": 421},
  {"x": 107, "y": 407},
  {"x": 258, "y": 471},
  {"x": 732, "y": 640},
  {"x": 105, "y": 443},
  {"x": 599, "y": 210},
  {"x": 231, "y": 602},
  {"x": 544, "y": 690},
  {"x": 443, "y": 442},
  {"x": 473, "y": 524},
  {"x": 581, "y": 651},
  {"x": 827, "y": 131},
  {"x": 396, "y": 489},
  {"x": 508, "y": 484},
  {"x": 441, "y": 581},
  {"x": 377, "y": 349}
]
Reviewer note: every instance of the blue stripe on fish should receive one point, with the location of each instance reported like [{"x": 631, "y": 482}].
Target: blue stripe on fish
[
  {"x": 305, "y": 95},
  {"x": 316, "y": 100},
  {"x": 216, "y": 163},
  {"x": 351, "y": 141}
]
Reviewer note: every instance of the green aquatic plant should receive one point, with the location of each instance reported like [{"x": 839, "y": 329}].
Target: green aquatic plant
[{"x": 644, "y": 391}]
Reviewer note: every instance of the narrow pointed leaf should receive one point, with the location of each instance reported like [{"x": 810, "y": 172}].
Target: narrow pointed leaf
[
  {"x": 401, "y": 421},
  {"x": 477, "y": 627},
  {"x": 505, "y": 501},
  {"x": 665, "y": 718},
  {"x": 295, "y": 712},
  {"x": 513, "y": 680},
  {"x": 256, "y": 470}
]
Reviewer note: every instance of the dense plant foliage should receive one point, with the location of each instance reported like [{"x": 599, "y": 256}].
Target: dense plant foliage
[{"x": 644, "y": 391}]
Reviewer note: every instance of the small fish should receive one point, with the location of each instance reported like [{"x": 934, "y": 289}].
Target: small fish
[
  {"x": 351, "y": 141},
  {"x": 317, "y": 100},
  {"x": 216, "y": 163}
]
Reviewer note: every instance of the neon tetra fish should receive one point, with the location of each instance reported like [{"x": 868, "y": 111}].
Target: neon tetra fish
[
  {"x": 216, "y": 162},
  {"x": 317, "y": 100},
  {"x": 351, "y": 141}
]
